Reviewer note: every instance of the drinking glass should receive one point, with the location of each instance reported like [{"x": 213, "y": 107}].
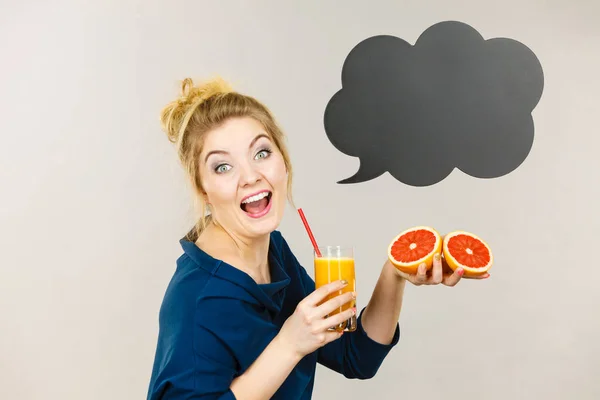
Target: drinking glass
[{"x": 335, "y": 263}]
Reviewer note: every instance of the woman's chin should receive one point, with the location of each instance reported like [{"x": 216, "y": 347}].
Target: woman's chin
[{"x": 263, "y": 225}]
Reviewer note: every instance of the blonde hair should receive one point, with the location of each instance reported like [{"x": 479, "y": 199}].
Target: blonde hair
[{"x": 201, "y": 108}]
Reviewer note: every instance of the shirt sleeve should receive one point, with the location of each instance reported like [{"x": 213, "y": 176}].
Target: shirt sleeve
[
  {"x": 208, "y": 373},
  {"x": 215, "y": 367},
  {"x": 355, "y": 355},
  {"x": 209, "y": 380}
]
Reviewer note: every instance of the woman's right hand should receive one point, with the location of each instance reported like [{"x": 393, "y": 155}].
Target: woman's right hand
[{"x": 307, "y": 329}]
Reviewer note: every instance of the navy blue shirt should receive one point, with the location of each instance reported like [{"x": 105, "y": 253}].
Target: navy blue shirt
[{"x": 215, "y": 320}]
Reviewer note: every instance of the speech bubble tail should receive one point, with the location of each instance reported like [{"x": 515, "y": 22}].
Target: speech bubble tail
[{"x": 362, "y": 175}]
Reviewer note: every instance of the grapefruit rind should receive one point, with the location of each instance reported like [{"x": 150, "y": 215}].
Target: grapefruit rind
[
  {"x": 412, "y": 267},
  {"x": 455, "y": 264}
]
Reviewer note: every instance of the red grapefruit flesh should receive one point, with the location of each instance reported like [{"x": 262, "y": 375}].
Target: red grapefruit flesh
[
  {"x": 413, "y": 247},
  {"x": 467, "y": 251}
]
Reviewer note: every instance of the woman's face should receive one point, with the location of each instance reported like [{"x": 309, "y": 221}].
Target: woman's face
[{"x": 244, "y": 178}]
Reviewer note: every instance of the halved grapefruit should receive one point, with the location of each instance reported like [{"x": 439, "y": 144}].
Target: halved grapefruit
[
  {"x": 467, "y": 251},
  {"x": 413, "y": 247}
]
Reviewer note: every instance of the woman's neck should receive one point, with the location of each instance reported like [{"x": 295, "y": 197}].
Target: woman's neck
[{"x": 248, "y": 255}]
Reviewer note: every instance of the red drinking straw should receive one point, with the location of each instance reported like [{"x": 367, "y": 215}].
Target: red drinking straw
[{"x": 310, "y": 235}]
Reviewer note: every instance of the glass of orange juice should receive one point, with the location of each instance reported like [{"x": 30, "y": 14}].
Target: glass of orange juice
[{"x": 335, "y": 263}]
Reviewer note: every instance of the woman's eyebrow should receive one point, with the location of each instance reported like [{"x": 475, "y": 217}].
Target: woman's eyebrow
[{"x": 210, "y": 153}]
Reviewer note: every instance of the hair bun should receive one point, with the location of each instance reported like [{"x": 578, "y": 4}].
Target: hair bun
[{"x": 175, "y": 116}]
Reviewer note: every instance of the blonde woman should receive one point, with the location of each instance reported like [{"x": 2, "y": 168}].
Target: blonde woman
[{"x": 241, "y": 317}]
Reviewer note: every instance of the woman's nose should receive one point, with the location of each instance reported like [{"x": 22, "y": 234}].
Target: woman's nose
[{"x": 249, "y": 176}]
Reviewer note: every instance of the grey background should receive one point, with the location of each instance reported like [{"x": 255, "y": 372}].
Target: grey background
[{"x": 94, "y": 201}]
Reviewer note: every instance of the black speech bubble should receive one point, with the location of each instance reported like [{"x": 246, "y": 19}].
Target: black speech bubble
[{"x": 453, "y": 100}]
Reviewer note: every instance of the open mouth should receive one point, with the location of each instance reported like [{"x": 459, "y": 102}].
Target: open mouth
[{"x": 257, "y": 205}]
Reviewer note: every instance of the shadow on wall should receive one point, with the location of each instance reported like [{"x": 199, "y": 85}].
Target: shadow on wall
[{"x": 453, "y": 100}]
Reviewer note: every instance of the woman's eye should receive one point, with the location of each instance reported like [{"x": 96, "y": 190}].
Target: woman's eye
[
  {"x": 222, "y": 168},
  {"x": 263, "y": 154}
]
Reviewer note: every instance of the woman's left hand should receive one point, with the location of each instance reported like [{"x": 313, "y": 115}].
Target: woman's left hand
[{"x": 439, "y": 273}]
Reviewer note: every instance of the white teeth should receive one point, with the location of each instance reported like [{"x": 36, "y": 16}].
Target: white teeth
[{"x": 255, "y": 197}]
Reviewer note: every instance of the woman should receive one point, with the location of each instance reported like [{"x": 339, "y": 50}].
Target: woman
[{"x": 241, "y": 317}]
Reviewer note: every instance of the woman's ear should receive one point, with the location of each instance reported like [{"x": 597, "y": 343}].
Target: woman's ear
[{"x": 203, "y": 196}]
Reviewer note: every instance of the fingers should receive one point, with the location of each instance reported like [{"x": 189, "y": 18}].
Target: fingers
[
  {"x": 336, "y": 319},
  {"x": 438, "y": 273},
  {"x": 454, "y": 278},
  {"x": 445, "y": 267},
  {"x": 334, "y": 304},
  {"x": 328, "y": 336},
  {"x": 420, "y": 278},
  {"x": 321, "y": 293},
  {"x": 485, "y": 276}
]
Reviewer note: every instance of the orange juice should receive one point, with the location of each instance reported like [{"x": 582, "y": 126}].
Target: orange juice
[{"x": 329, "y": 269}]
